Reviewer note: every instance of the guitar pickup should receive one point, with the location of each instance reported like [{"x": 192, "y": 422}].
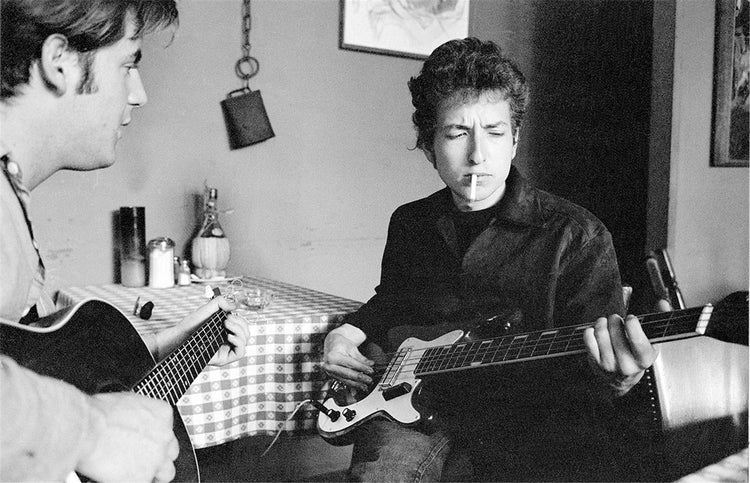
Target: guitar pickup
[{"x": 396, "y": 391}]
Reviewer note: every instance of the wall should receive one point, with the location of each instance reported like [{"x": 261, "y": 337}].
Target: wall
[{"x": 708, "y": 207}]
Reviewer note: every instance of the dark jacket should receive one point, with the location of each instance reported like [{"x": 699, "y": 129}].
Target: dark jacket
[{"x": 540, "y": 262}]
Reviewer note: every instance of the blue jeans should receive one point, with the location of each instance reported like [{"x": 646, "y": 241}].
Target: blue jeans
[{"x": 387, "y": 451}]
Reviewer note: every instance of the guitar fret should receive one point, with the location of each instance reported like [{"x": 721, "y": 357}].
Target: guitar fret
[
  {"x": 481, "y": 350},
  {"x": 531, "y": 345},
  {"x": 547, "y": 340},
  {"x": 172, "y": 376},
  {"x": 464, "y": 354},
  {"x": 513, "y": 343}
]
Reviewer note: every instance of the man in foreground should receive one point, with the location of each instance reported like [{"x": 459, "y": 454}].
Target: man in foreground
[{"x": 69, "y": 84}]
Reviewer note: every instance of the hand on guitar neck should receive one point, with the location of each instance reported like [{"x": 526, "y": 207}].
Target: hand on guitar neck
[
  {"x": 619, "y": 352},
  {"x": 164, "y": 342}
]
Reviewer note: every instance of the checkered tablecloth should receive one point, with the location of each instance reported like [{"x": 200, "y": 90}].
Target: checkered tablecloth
[{"x": 281, "y": 368}]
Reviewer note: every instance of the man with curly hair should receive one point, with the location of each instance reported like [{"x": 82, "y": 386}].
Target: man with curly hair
[{"x": 490, "y": 247}]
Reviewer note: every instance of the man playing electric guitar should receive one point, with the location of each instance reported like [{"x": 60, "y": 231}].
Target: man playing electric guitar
[
  {"x": 491, "y": 247},
  {"x": 69, "y": 83}
]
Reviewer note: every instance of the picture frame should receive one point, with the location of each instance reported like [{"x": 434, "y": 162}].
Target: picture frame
[
  {"x": 730, "y": 119},
  {"x": 401, "y": 29}
]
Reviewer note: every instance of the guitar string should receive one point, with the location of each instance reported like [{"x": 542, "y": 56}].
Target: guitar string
[
  {"x": 571, "y": 334},
  {"x": 457, "y": 355},
  {"x": 162, "y": 381},
  {"x": 191, "y": 353},
  {"x": 165, "y": 371},
  {"x": 171, "y": 371},
  {"x": 467, "y": 354}
]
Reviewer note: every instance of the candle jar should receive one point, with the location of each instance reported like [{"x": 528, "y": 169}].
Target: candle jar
[{"x": 161, "y": 263}]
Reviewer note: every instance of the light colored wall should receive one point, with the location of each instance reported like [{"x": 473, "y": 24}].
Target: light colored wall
[
  {"x": 708, "y": 208},
  {"x": 311, "y": 205}
]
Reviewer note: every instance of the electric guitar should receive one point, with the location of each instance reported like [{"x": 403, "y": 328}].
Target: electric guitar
[
  {"x": 93, "y": 346},
  {"x": 393, "y": 396}
]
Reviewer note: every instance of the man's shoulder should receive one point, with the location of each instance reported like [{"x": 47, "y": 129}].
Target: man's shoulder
[
  {"x": 556, "y": 209},
  {"x": 430, "y": 206}
]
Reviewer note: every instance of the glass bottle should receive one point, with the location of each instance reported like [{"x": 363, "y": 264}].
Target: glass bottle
[
  {"x": 183, "y": 273},
  {"x": 210, "y": 248}
]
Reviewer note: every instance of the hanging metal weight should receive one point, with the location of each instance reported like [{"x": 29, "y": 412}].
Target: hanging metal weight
[{"x": 244, "y": 113}]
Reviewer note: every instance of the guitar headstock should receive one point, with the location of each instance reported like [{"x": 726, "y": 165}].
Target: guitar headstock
[{"x": 729, "y": 320}]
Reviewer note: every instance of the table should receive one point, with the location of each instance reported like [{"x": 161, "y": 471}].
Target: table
[{"x": 281, "y": 368}]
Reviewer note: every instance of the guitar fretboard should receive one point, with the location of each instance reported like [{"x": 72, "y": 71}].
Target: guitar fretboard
[
  {"x": 551, "y": 343},
  {"x": 172, "y": 376}
]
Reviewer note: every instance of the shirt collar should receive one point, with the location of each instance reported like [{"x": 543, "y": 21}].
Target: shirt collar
[
  {"x": 16, "y": 174},
  {"x": 519, "y": 204}
]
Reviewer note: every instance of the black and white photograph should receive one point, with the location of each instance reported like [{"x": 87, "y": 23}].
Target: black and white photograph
[{"x": 374, "y": 240}]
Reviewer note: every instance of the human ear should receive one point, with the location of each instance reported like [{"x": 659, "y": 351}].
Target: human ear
[
  {"x": 57, "y": 63},
  {"x": 515, "y": 144}
]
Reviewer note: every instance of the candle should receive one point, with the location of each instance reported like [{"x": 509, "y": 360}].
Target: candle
[{"x": 161, "y": 263}]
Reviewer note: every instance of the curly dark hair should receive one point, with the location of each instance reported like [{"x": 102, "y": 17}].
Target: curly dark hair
[
  {"x": 87, "y": 24},
  {"x": 464, "y": 69}
]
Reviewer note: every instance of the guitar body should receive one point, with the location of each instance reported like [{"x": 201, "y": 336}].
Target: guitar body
[
  {"x": 379, "y": 403},
  {"x": 94, "y": 347},
  {"x": 703, "y": 411}
]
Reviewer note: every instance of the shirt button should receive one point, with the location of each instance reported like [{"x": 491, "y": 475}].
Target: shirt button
[
  {"x": 36, "y": 245},
  {"x": 13, "y": 168}
]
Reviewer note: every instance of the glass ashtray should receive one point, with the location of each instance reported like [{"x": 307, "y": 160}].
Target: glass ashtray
[
  {"x": 257, "y": 299},
  {"x": 253, "y": 299}
]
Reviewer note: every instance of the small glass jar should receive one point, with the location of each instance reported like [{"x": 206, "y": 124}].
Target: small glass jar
[
  {"x": 161, "y": 263},
  {"x": 183, "y": 273}
]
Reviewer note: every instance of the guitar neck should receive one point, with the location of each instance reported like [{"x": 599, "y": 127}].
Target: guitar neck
[
  {"x": 172, "y": 376},
  {"x": 555, "y": 342}
]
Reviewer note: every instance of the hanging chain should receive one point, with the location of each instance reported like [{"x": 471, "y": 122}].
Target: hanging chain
[
  {"x": 246, "y": 24},
  {"x": 247, "y": 66}
]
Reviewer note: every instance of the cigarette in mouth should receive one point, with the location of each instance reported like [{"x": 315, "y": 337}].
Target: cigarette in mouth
[{"x": 473, "y": 191}]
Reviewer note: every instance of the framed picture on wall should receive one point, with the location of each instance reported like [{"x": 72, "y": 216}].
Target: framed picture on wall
[
  {"x": 404, "y": 28},
  {"x": 731, "y": 118}
]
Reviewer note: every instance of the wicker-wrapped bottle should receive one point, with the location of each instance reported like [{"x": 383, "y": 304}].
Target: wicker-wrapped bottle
[{"x": 210, "y": 248}]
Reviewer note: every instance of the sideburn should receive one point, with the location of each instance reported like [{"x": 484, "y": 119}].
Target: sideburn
[{"x": 88, "y": 83}]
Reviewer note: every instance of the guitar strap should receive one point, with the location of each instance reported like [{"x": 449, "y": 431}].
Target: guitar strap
[{"x": 12, "y": 173}]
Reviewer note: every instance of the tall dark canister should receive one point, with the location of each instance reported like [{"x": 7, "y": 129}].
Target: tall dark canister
[{"x": 133, "y": 246}]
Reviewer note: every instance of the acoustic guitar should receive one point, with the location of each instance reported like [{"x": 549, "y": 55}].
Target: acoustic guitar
[
  {"x": 714, "y": 394},
  {"x": 93, "y": 346}
]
